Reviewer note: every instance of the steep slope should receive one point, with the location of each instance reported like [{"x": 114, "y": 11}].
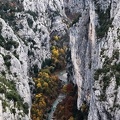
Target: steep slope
[
  {"x": 26, "y": 27},
  {"x": 105, "y": 92},
  {"x": 25, "y": 31},
  {"x": 95, "y": 49}
]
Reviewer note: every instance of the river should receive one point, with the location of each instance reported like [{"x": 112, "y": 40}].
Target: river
[{"x": 63, "y": 77}]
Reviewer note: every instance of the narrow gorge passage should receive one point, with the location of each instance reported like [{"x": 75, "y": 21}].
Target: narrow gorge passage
[
  {"x": 41, "y": 41},
  {"x": 63, "y": 77}
]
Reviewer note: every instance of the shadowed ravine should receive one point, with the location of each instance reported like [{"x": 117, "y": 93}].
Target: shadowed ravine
[{"x": 63, "y": 77}]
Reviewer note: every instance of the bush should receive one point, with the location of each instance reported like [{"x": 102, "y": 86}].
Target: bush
[
  {"x": 13, "y": 111},
  {"x": 4, "y": 104},
  {"x": 15, "y": 54},
  {"x": 104, "y": 21},
  {"x": 3, "y": 72},
  {"x": 97, "y": 73},
  {"x": 30, "y": 53},
  {"x": 8, "y": 64},
  {"x": 2, "y": 41},
  {"x": 2, "y": 89},
  {"x": 7, "y": 57},
  {"x": 12, "y": 95},
  {"x": 46, "y": 70},
  {"x": 9, "y": 89},
  {"x": 8, "y": 46},
  {"x": 25, "y": 108},
  {"x": 106, "y": 81},
  {"x": 30, "y": 22},
  {"x": 35, "y": 15},
  {"x": 46, "y": 62},
  {"x": 118, "y": 67},
  {"x": 11, "y": 43},
  {"x": 117, "y": 76},
  {"x": 35, "y": 69},
  {"x": 116, "y": 54}
]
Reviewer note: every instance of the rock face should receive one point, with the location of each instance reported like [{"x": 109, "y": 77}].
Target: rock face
[
  {"x": 95, "y": 53},
  {"x": 26, "y": 27},
  {"x": 25, "y": 30}
]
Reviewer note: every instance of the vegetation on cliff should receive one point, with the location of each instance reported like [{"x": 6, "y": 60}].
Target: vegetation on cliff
[{"x": 47, "y": 84}]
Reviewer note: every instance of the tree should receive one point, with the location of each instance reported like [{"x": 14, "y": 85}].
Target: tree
[
  {"x": 69, "y": 88},
  {"x": 71, "y": 118},
  {"x": 55, "y": 53},
  {"x": 56, "y": 37},
  {"x": 39, "y": 85},
  {"x": 45, "y": 84}
]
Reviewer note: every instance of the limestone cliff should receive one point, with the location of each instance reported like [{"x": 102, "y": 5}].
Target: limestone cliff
[
  {"x": 25, "y": 30},
  {"x": 95, "y": 53},
  {"x": 26, "y": 27}
]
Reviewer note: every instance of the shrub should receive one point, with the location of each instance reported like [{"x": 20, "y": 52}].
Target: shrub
[
  {"x": 30, "y": 22},
  {"x": 8, "y": 64},
  {"x": 116, "y": 54},
  {"x": 15, "y": 54},
  {"x": 118, "y": 67},
  {"x": 15, "y": 74},
  {"x": 104, "y": 21},
  {"x": 2, "y": 41},
  {"x": 97, "y": 73},
  {"x": 12, "y": 95},
  {"x": 35, "y": 15},
  {"x": 13, "y": 111},
  {"x": 46, "y": 62},
  {"x": 56, "y": 38},
  {"x": 117, "y": 76},
  {"x": 4, "y": 104},
  {"x": 35, "y": 69},
  {"x": 7, "y": 57},
  {"x": 30, "y": 53},
  {"x": 46, "y": 70},
  {"x": 8, "y": 46},
  {"x": 11, "y": 43},
  {"x": 102, "y": 97},
  {"x": 3, "y": 72},
  {"x": 2, "y": 89},
  {"x": 25, "y": 108},
  {"x": 9, "y": 89},
  {"x": 106, "y": 80}
]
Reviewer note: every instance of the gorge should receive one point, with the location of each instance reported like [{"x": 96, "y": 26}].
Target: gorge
[{"x": 39, "y": 38}]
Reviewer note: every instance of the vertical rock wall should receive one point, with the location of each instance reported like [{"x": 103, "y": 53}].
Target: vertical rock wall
[
  {"x": 25, "y": 43},
  {"x": 94, "y": 42}
]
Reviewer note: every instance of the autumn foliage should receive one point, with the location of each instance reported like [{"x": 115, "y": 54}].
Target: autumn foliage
[
  {"x": 65, "y": 109},
  {"x": 47, "y": 83},
  {"x": 67, "y": 88},
  {"x": 58, "y": 50}
]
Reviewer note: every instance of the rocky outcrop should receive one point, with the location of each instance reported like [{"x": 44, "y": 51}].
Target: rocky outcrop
[
  {"x": 94, "y": 42},
  {"x": 26, "y": 27},
  {"x": 25, "y": 31}
]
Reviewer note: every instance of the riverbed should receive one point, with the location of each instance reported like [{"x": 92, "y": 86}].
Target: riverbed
[{"x": 63, "y": 77}]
